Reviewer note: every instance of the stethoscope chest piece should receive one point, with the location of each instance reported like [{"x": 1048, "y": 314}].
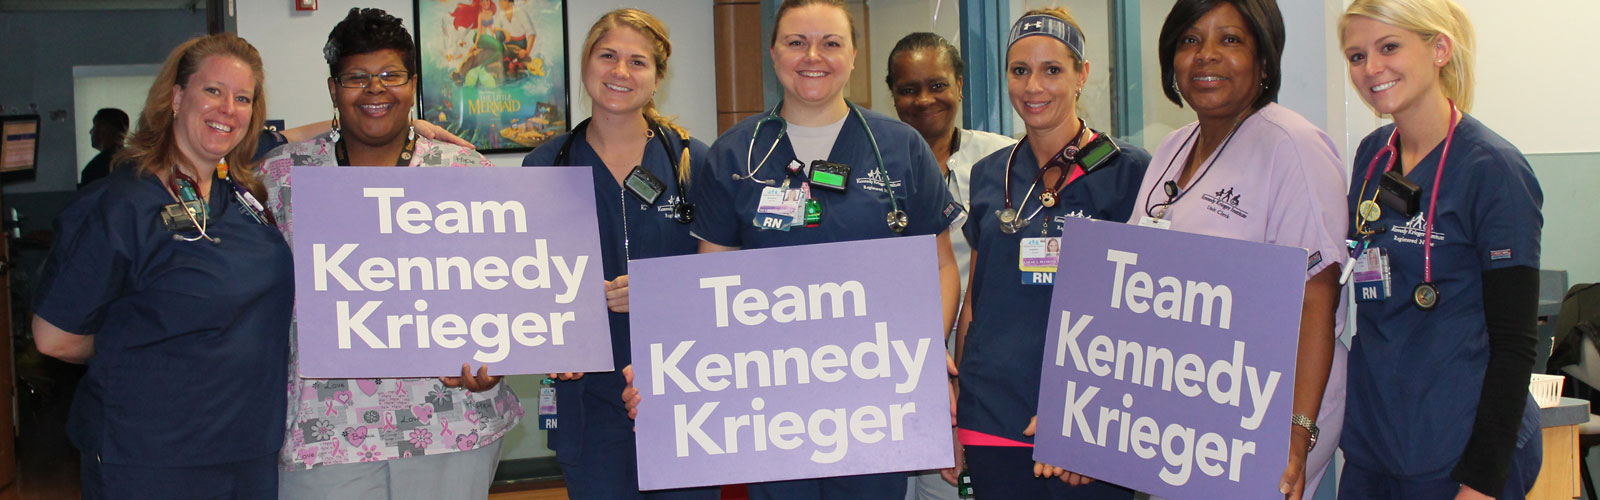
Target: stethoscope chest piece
[
  {"x": 683, "y": 212},
  {"x": 898, "y": 221},
  {"x": 1425, "y": 296},
  {"x": 1010, "y": 221}
]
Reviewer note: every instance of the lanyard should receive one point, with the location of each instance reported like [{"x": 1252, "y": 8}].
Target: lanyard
[
  {"x": 1433, "y": 198},
  {"x": 1170, "y": 188}
]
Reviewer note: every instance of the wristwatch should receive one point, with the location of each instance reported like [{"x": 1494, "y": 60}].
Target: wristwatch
[{"x": 1309, "y": 425}]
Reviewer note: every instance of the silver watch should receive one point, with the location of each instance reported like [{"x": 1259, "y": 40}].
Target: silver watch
[{"x": 1309, "y": 425}]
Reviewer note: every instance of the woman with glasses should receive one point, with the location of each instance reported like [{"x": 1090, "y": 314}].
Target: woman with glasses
[{"x": 334, "y": 447}]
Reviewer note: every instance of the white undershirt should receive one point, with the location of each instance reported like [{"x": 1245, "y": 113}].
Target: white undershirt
[{"x": 814, "y": 143}]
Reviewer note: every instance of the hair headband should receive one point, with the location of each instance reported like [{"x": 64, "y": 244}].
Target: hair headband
[{"x": 1051, "y": 26}]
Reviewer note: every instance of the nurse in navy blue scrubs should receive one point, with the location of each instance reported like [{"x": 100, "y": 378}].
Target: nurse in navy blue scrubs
[
  {"x": 895, "y": 187},
  {"x": 181, "y": 315},
  {"x": 1018, "y": 208},
  {"x": 1447, "y": 220},
  {"x": 625, "y": 58}
]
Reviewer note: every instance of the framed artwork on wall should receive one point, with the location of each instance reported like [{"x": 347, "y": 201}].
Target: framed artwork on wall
[{"x": 494, "y": 71}]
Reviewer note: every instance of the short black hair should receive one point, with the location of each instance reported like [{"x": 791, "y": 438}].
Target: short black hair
[
  {"x": 923, "y": 40},
  {"x": 114, "y": 118},
  {"x": 1266, "y": 26},
  {"x": 365, "y": 31}
]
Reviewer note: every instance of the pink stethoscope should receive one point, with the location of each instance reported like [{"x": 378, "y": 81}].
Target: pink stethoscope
[{"x": 1426, "y": 295}]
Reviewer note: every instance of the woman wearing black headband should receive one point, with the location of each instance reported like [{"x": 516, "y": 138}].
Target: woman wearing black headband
[
  {"x": 1253, "y": 170},
  {"x": 1021, "y": 196}
]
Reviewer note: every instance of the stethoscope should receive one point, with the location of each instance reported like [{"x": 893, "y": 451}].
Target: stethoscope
[
  {"x": 1010, "y": 220},
  {"x": 682, "y": 210},
  {"x": 1426, "y": 294},
  {"x": 896, "y": 218},
  {"x": 1170, "y": 187}
]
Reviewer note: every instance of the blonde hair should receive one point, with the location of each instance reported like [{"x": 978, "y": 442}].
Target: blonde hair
[
  {"x": 652, "y": 29},
  {"x": 153, "y": 147},
  {"x": 1062, "y": 14},
  {"x": 1429, "y": 19}
]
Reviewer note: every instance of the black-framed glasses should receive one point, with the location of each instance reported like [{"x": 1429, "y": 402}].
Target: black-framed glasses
[{"x": 363, "y": 80}]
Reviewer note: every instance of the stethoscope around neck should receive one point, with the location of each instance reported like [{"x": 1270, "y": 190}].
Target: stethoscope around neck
[
  {"x": 682, "y": 210},
  {"x": 1426, "y": 294},
  {"x": 896, "y": 218}
]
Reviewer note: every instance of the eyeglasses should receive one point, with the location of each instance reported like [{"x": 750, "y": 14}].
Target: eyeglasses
[{"x": 363, "y": 80}]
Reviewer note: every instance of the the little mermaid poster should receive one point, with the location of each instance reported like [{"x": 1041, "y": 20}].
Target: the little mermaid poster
[{"x": 494, "y": 71}]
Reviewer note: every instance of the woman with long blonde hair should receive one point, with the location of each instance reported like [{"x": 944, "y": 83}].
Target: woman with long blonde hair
[{"x": 624, "y": 60}]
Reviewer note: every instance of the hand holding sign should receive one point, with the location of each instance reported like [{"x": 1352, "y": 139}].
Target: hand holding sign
[{"x": 479, "y": 383}]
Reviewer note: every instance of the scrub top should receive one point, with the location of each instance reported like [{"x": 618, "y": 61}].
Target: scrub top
[
  {"x": 1005, "y": 342},
  {"x": 971, "y": 146},
  {"x": 1415, "y": 376},
  {"x": 1277, "y": 181},
  {"x": 629, "y": 229},
  {"x": 727, "y": 206},
  {"x": 191, "y": 338}
]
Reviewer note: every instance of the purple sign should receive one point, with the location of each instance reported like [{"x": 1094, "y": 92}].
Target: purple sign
[
  {"x": 788, "y": 363},
  {"x": 407, "y": 272},
  {"x": 1169, "y": 361}
]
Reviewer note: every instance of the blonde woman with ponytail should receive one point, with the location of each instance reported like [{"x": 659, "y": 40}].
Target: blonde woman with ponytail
[
  {"x": 624, "y": 59},
  {"x": 1438, "y": 391}
]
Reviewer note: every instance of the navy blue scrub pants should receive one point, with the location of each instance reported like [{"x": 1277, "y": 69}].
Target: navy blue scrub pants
[
  {"x": 1006, "y": 473},
  {"x": 1358, "y": 483},
  {"x": 890, "y": 485},
  {"x": 609, "y": 470},
  {"x": 252, "y": 479}
]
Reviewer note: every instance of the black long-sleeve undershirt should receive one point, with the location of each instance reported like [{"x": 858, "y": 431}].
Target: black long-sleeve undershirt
[{"x": 1510, "y": 308}]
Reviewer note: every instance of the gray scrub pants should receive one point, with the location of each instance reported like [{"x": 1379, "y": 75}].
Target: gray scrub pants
[{"x": 460, "y": 475}]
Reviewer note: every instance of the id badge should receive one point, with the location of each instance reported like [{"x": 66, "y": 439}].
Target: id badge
[
  {"x": 1371, "y": 274},
  {"x": 547, "y": 408},
  {"x": 183, "y": 218},
  {"x": 773, "y": 201},
  {"x": 1037, "y": 259},
  {"x": 795, "y": 199},
  {"x": 773, "y": 222},
  {"x": 1148, "y": 221}
]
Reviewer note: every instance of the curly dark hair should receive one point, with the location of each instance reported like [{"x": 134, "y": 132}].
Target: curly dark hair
[{"x": 368, "y": 30}]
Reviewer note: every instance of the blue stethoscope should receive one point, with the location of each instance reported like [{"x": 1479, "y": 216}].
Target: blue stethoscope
[{"x": 896, "y": 217}]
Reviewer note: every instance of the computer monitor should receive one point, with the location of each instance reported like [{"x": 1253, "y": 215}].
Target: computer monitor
[{"x": 19, "y": 146}]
